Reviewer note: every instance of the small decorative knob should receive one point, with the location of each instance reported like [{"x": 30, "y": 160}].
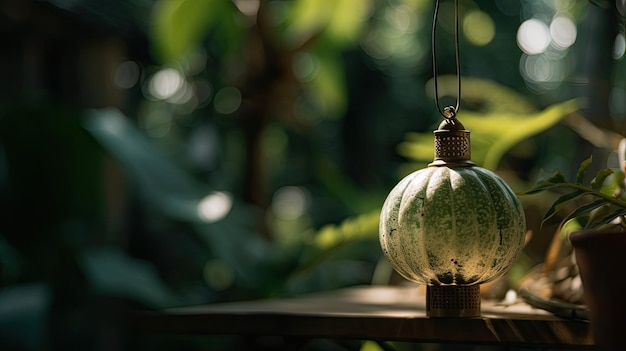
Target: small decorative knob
[{"x": 452, "y": 142}]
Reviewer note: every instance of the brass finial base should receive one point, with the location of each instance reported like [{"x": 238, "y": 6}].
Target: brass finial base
[
  {"x": 453, "y": 301},
  {"x": 452, "y": 145}
]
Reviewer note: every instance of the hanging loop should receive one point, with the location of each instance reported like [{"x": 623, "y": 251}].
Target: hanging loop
[{"x": 448, "y": 112}]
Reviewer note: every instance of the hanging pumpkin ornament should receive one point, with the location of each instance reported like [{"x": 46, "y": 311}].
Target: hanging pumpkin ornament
[{"x": 452, "y": 225}]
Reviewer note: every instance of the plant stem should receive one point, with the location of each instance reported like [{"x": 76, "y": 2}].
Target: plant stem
[{"x": 611, "y": 199}]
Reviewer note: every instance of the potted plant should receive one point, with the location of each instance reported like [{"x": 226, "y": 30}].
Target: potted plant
[{"x": 600, "y": 243}]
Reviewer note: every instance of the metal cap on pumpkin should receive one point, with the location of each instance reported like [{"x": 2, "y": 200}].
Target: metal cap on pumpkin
[
  {"x": 452, "y": 142},
  {"x": 453, "y": 300}
]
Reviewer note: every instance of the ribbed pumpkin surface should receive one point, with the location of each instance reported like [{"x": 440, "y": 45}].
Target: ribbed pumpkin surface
[{"x": 443, "y": 225}]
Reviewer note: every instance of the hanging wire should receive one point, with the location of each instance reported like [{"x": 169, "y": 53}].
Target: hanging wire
[{"x": 449, "y": 111}]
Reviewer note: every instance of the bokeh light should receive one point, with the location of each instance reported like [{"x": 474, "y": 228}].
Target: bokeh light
[
  {"x": 619, "y": 47},
  {"x": 204, "y": 92},
  {"x": 165, "y": 83},
  {"x": 289, "y": 202},
  {"x": 533, "y": 37},
  {"x": 392, "y": 39},
  {"x": 545, "y": 39},
  {"x": 542, "y": 69},
  {"x": 227, "y": 100},
  {"x": 479, "y": 28},
  {"x": 126, "y": 74},
  {"x": 182, "y": 95},
  {"x": 155, "y": 121},
  {"x": 306, "y": 67},
  {"x": 215, "y": 206},
  {"x": 399, "y": 17},
  {"x": 563, "y": 32},
  {"x": 248, "y": 7}
]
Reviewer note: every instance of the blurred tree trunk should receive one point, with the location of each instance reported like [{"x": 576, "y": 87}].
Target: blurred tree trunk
[{"x": 269, "y": 90}]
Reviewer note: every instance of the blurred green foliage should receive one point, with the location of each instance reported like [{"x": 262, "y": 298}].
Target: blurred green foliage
[
  {"x": 237, "y": 149},
  {"x": 505, "y": 119}
]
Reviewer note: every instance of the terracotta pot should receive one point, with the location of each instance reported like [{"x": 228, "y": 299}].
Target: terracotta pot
[{"x": 601, "y": 259}]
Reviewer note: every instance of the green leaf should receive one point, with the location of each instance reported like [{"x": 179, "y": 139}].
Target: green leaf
[
  {"x": 604, "y": 217},
  {"x": 560, "y": 203},
  {"x": 492, "y": 132},
  {"x": 557, "y": 179},
  {"x": 580, "y": 175},
  {"x": 613, "y": 184},
  {"x": 525, "y": 127},
  {"x": 348, "y": 20},
  {"x": 604, "y": 187},
  {"x": 371, "y": 346},
  {"x": 598, "y": 181},
  {"x": 110, "y": 271},
  {"x": 343, "y": 189},
  {"x": 570, "y": 226},
  {"x": 25, "y": 316},
  {"x": 166, "y": 186},
  {"x": 329, "y": 86},
  {"x": 493, "y": 96},
  {"x": 619, "y": 178},
  {"x": 331, "y": 238},
  {"x": 340, "y": 21},
  {"x": 179, "y": 25},
  {"x": 586, "y": 209},
  {"x": 160, "y": 180}
]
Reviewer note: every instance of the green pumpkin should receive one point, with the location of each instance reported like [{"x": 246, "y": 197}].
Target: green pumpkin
[{"x": 452, "y": 226}]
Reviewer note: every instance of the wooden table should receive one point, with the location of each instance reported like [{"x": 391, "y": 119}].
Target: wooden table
[{"x": 371, "y": 313}]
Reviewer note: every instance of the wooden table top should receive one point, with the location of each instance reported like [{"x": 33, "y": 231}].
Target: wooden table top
[{"x": 370, "y": 313}]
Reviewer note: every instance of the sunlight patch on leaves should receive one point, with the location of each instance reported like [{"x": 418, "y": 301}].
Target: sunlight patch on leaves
[
  {"x": 180, "y": 25},
  {"x": 332, "y": 237},
  {"x": 341, "y": 20},
  {"x": 505, "y": 120},
  {"x": 329, "y": 87}
]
